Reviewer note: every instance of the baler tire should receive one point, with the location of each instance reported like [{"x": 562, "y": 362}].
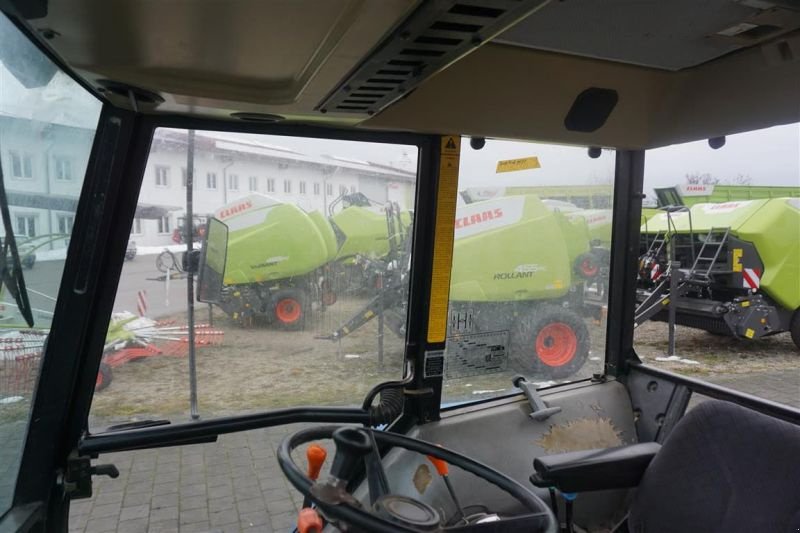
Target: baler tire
[
  {"x": 552, "y": 342},
  {"x": 794, "y": 328},
  {"x": 289, "y": 309},
  {"x": 104, "y": 377}
]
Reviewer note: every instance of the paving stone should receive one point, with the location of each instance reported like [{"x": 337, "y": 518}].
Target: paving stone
[
  {"x": 100, "y": 511},
  {"x": 164, "y": 513},
  {"x": 256, "y": 518},
  {"x": 137, "y": 511},
  {"x": 138, "y": 525},
  {"x": 137, "y": 498},
  {"x": 254, "y": 504},
  {"x": 193, "y": 516},
  {"x": 101, "y": 525},
  {"x": 193, "y": 502},
  {"x": 225, "y": 517},
  {"x": 165, "y": 500}
]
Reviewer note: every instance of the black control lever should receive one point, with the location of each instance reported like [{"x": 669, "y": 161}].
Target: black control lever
[
  {"x": 352, "y": 444},
  {"x": 105, "y": 470}
]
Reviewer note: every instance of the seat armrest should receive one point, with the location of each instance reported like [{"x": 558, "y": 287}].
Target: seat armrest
[{"x": 607, "y": 468}]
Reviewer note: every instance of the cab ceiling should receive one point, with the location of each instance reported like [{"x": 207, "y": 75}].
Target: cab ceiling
[
  {"x": 275, "y": 56},
  {"x": 677, "y": 78}
]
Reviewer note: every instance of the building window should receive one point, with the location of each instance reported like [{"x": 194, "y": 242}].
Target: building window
[
  {"x": 287, "y": 186},
  {"x": 352, "y": 189},
  {"x": 270, "y": 185},
  {"x": 162, "y": 177},
  {"x": 163, "y": 225},
  {"x": 252, "y": 183},
  {"x": 342, "y": 190},
  {"x": 211, "y": 180},
  {"x": 65, "y": 223},
  {"x": 137, "y": 226},
  {"x": 329, "y": 189},
  {"x": 184, "y": 177},
  {"x": 63, "y": 168},
  {"x": 233, "y": 182},
  {"x": 316, "y": 189},
  {"x": 21, "y": 165},
  {"x": 26, "y": 225},
  {"x": 302, "y": 187}
]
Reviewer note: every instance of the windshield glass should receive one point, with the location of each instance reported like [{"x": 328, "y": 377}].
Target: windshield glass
[
  {"x": 530, "y": 270},
  {"x": 303, "y": 252},
  {"x": 47, "y": 125}
]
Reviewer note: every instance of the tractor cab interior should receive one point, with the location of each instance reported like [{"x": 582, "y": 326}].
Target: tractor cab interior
[{"x": 422, "y": 246}]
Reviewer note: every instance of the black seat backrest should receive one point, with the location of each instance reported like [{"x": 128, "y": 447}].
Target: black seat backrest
[{"x": 723, "y": 468}]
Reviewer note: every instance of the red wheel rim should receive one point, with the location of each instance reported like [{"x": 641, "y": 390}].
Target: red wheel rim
[
  {"x": 588, "y": 268},
  {"x": 288, "y": 310},
  {"x": 99, "y": 381},
  {"x": 556, "y": 344}
]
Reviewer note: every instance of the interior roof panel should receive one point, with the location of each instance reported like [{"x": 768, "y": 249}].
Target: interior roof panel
[{"x": 650, "y": 33}]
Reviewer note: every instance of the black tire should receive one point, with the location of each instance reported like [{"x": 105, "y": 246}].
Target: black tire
[
  {"x": 104, "y": 377},
  {"x": 28, "y": 261},
  {"x": 794, "y": 328},
  {"x": 289, "y": 307},
  {"x": 551, "y": 342}
]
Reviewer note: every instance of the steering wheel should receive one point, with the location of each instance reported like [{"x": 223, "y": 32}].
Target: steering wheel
[{"x": 395, "y": 513}]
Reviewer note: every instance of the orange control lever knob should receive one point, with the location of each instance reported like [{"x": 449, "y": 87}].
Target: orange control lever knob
[
  {"x": 440, "y": 465},
  {"x": 315, "y": 455},
  {"x": 309, "y": 521}
]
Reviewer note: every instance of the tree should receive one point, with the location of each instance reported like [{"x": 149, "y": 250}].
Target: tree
[{"x": 701, "y": 179}]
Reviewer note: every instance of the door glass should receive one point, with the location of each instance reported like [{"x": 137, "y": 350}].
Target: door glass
[
  {"x": 731, "y": 243},
  {"x": 42, "y": 112},
  {"x": 302, "y": 292},
  {"x": 529, "y": 282}
]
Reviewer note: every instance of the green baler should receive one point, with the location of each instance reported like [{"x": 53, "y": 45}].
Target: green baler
[
  {"x": 513, "y": 274},
  {"x": 740, "y": 266}
]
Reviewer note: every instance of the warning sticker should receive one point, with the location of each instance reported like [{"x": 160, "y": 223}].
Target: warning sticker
[
  {"x": 451, "y": 145},
  {"x": 446, "y": 198},
  {"x": 476, "y": 354}
]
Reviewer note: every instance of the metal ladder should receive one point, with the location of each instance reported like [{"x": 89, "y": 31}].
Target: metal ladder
[
  {"x": 709, "y": 253},
  {"x": 658, "y": 243}
]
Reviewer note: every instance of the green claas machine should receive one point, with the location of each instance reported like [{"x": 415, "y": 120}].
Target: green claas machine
[
  {"x": 270, "y": 259},
  {"x": 739, "y": 270},
  {"x": 520, "y": 269}
]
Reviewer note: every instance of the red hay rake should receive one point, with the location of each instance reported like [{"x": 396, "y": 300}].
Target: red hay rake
[{"x": 20, "y": 354}]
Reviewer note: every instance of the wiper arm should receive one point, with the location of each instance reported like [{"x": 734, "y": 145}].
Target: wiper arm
[{"x": 11, "y": 275}]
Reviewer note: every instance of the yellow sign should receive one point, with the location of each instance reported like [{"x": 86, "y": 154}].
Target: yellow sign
[
  {"x": 444, "y": 228},
  {"x": 737, "y": 259},
  {"x": 512, "y": 165},
  {"x": 749, "y": 333},
  {"x": 451, "y": 145}
]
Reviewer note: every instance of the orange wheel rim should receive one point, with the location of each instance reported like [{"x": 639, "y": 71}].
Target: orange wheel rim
[
  {"x": 556, "y": 344},
  {"x": 288, "y": 310}
]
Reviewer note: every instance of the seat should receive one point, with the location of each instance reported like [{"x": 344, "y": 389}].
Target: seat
[{"x": 722, "y": 468}]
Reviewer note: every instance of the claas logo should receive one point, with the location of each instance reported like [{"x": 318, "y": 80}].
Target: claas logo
[
  {"x": 477, "y": 218},
  {"x": 238, "y": 208}
]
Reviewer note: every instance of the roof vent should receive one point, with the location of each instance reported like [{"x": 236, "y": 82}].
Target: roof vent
[
  {"x": 432, "y": 37},
  {"x": 258, "y": 117}
]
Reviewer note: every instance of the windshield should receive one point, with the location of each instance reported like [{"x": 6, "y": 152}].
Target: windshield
[
  {"x": 301, "y": 285},
  {"x": 47, "y": 125},
  {"x": 529, "y": 282}
]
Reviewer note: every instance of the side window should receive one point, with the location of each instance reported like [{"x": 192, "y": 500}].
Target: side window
[
  {"x": 47, "y": 127},
  {"x": 302, "y": 298},
  {"x": 730, "y": 240},
  {"x": 529, "y": 280}
]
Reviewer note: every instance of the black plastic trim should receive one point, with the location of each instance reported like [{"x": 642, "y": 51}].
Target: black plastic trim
[
  {"x": 767, "y": 407},
  {"x": 628, "y": 185}
]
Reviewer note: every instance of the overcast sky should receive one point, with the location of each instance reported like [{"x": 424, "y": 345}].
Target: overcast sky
[{"x": 769, "y": 157}]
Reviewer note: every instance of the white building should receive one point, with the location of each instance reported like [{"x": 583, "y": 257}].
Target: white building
[
  {"x": 44, "y": 164},
  {"x": 231, "y": 166}
]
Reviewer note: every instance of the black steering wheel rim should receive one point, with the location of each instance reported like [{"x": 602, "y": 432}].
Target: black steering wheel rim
[{"x": 368, "y": 521}]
